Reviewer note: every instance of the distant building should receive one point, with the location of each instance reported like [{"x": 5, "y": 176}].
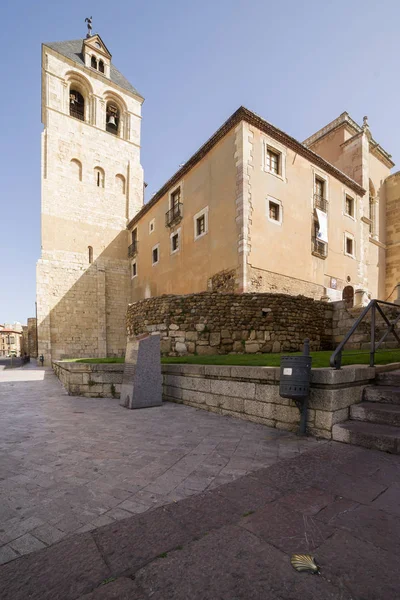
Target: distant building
[{"x": 10, "y": 341}]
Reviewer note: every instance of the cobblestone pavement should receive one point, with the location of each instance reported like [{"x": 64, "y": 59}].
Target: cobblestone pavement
[{"x": 70, "y": 464}]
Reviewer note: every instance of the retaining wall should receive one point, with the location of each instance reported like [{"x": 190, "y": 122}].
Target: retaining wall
[
  {"x": 221, "y": 323},
  {"x": 249, "y": 393}
]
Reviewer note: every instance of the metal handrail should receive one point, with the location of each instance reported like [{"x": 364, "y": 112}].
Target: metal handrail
[
  {"x": 320, "y": 202},
  {"x": 174, "y": 214},
  {"x": 132, "y": 249},
  {"x": 373, "y": 306}
]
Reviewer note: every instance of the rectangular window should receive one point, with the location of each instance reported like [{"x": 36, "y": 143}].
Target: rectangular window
[
  {"x": 320, "y": 200},
  {"x": 273, "y": 161},
  {"x": 12, "y": 339},
  {"x": 134, "y": 236},
  {"x": 175, "y": 197},
  {"x": 134, "y": 269},
  {"x": 274, "y": 211},
  {"x": 319, "y": 187},
  {"x": 319, "y": 248},
  {"x": 200, "y": 221},
  {"x": 155, "y": 255},
  {"x": 175, "y": 242},
  {"x": 201, "y": 225},
  {"x": 349, "y": 206},
  {"x": 349, "y": 245},
  {"x": 151, "y": 226}
]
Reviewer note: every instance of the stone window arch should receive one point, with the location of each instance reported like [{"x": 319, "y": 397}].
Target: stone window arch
[
  {"x": 93, "y": 62},
  {"x": 101, "y": 66},
  {"x": 120, "y": 184},
  {"x": 90, "y": 252},
  {"x": 113, "y": 116},
  {"x": 76, "y": 104},
  {"x": 79, "y": 92},
  {"x": 99, "y": 177},
  {"x": 116, "y": 115},
  {"x": 75, "y": 167}
]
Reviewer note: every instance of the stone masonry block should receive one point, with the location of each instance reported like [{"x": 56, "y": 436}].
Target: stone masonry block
[
  {"x": 331, "y": 400},
  {"x": 259, "y": 409},
  {"x": 326, "y": 420},
  {"x": 232, "y": 404},
  {"x": 238, "y": 389}
]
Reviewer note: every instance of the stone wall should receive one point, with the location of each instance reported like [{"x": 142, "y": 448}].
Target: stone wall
[
  {"x": 32, "y": 337},
  {"x": 343, "y": 319},
  {"x": 90, "y": 380},
  {"x": 248, "y": 393},
  {"x": 219, "y": 323},
  {"x": 252, "y": 394},
  {"x": 261, "y": 280}
]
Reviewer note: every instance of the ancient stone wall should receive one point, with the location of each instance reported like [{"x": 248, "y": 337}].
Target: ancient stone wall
[
  {"x": 219, "y": 323},
  {"x": 32, "y": 337},
  {"x": 344, "y": 318}
]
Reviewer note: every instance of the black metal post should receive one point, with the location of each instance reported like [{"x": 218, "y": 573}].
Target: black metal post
[
  {"x": 372, "y": 350},
  {"x": 303, "y": 415}
]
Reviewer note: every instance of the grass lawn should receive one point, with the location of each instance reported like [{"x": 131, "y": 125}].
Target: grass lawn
[{"x": 320, "y": 359}]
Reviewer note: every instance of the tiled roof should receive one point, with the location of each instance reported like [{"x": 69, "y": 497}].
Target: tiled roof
[
  {"x": 72, "y": 49},
  {"x": 244, "y": 114}
]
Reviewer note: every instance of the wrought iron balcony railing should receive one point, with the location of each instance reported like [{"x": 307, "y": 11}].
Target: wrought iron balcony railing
[
  {"x": 77, "y": 112},
  {"x": 174, "y": 215},
  {"x": 132, "y": 249},
  {"x": 320, "y": 202},
  {"x": 319, "y": 248}
]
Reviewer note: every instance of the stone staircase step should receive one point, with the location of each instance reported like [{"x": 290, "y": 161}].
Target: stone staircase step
[
  {"x": 387, "y": 394},
  {"x": 374, "y": 412},
  {"x": 391, "y": 378},
  {"x": 368, "y": 435}
]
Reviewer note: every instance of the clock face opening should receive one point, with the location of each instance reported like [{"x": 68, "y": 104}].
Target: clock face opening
[{"x": 98, "y": 45}]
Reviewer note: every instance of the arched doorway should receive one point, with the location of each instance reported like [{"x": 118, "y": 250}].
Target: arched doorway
[{"x": 348, "y": 296}]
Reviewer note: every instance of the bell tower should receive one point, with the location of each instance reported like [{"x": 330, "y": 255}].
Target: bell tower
[{"x": 92, "y": 185}]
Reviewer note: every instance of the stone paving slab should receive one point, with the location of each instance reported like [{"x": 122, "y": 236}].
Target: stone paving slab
[
  {"x": 72, "y": 464},
  {"x": 204, "y": 547}
]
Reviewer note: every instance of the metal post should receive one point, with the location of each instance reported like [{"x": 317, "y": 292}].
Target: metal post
[
  {"x": 372, "y": 350},
  {"x": 303, "y": 416}
]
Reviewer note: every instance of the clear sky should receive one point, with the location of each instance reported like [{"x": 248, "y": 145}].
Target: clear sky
[{"x": 297, "y": 64}]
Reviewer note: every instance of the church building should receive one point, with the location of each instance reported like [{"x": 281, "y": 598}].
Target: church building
[{"x": 253, "y": 210}]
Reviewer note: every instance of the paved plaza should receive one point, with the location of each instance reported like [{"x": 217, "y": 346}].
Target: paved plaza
[{"x": 70, "y": 465}]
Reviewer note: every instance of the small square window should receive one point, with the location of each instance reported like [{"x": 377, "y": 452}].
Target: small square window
[
  {"x": 274, "y": 211},
  {"x": 349, "y": 245},
  {"x": 134, "y": 269},
  {"x": 349, "y": 206},
  {"x": 155, "y": 255},
  {"x": 200, "y": 221},
  {"x": 175, "y": 242},
  {"x": 273, "y": 161},
  {"x": 175, "y": 197},
  {"x": 200, "y": 225}
]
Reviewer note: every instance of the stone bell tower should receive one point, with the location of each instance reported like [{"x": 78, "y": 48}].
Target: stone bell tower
[{"x": 92, "y": 185}]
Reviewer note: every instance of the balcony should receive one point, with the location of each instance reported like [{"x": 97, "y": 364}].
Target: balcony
[
  {"x": 77, "y": 112},
  {"x": 132, "y": 249},
  {"x": 320, "y": 202},
  {"x": 174, "y": 215},
  {"x": 319, "y": 249}
]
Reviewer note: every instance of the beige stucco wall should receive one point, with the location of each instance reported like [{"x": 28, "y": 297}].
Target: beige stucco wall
[
  {"x": 81, "y": 306},
  {"x": 281, "y": 256},
  {"x": 211, "y": 183}
]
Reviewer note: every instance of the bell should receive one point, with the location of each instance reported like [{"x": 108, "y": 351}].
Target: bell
[
  {"x": 111, "y": 121},
  {"x": 72, "y": 98}
]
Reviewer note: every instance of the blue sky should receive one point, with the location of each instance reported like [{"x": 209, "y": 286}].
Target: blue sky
[{"x": 297, "y": 64}]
